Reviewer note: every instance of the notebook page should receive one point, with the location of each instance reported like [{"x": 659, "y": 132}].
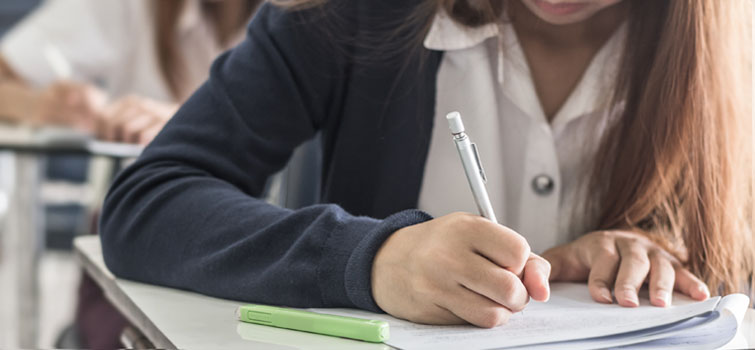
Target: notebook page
[
  {"x": 635, "y": 337},
  {"x": 711, "y": 335},
  {"x": 569, "y": 314}
]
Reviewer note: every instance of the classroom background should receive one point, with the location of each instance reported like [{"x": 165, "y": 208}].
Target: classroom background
[
  {"x": 52, "y": 183},
  {"x": 58, "y": 272}
]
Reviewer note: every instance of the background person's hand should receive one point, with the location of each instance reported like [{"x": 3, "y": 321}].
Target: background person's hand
[
  {"x": 455, "y": 269},
  {"x": 71, "y": 104},
  {"x": 621, "y": 261},
  {"x": 134, "y": 119}
]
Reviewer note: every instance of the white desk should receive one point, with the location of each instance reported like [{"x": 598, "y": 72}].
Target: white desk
[
  {"x": 173, "y": 318},
  {"x": 22, "y": 151}
]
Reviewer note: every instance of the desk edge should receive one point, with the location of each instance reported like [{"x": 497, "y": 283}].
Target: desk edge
[{"x": 122, "y": 302}]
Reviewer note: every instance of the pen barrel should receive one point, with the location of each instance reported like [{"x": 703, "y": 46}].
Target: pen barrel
[
  {"x": 300, "y": 320},
  {"x": 473, "y": 171}
]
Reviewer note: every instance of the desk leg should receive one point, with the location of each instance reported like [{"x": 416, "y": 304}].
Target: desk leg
[
  {"x": 25, "y": 240},
  {"x": 8, "y": 298}
]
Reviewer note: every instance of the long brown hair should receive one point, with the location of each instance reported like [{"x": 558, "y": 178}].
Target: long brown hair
[
  {"x": 677, "y": 162},
  {"x": 166, "y": 14}
]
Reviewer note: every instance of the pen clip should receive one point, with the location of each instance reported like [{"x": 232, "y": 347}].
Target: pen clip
[{"x": 479, "y": 163}]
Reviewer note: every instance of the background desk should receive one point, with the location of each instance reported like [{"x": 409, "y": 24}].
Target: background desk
[
  {"x": 22, "y": 154},
  {"x": 173, "y": 318}
]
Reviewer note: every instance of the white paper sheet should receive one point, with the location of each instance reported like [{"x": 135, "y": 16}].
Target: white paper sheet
[
  {"x": 710, "y": 335},
  {"x": 569, "y": 315}
]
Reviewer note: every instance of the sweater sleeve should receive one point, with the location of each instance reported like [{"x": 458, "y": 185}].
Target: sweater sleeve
[{"x": 187, "y": 215}]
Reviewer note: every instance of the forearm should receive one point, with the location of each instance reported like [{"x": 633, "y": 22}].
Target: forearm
[
  {"x": 171, "y": 225},
  {"x": 18, "y": 102}
]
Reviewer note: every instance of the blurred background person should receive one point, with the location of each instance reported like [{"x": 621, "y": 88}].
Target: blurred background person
[
  {"x": 131, "y": 62},
  {"x": 116, "y": 70}
]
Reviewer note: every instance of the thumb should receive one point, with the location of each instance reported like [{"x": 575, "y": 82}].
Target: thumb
[{"x": 536, "y": 273}]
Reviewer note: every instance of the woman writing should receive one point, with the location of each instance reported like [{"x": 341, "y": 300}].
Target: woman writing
[{"x": 611, "y": 146}]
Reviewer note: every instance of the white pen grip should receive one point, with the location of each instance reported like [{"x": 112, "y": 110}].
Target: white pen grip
[{"x": 474, "y": 176}]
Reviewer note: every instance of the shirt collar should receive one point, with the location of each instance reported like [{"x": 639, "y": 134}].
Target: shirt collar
[
  {"x": 446, "y": 34},
  {"x": 592, "y": 93}
]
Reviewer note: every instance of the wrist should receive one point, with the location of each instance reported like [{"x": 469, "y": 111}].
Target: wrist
[
  {"x": 387, "y": 267},
  {"x": 359, "y": 267}
]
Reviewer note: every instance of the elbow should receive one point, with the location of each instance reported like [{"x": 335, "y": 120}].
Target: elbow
[
  {"x": 114, "y": 227},
  {"x": 113, "y": 251}
]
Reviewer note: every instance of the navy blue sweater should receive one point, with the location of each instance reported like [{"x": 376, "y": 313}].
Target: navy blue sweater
[{"x": 187, "y": 214}]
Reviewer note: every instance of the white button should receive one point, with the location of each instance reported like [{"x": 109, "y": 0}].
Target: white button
[{"x": 543, "y": 184}]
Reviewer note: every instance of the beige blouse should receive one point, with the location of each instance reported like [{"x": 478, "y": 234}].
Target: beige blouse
[{"x": 535, "y": 169}]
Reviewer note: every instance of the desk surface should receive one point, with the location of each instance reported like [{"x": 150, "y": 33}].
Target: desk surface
[
  {"x": 173, "y": 318},
  {"x": 52, "y": 140}
]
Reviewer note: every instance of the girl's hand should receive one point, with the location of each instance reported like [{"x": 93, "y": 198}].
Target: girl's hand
[
  {"x": 134, "y": 119},
  {"x": 623, "y": 260},
  {"x": 71, "y": 104},
  {"x": 455, "y": 269}
]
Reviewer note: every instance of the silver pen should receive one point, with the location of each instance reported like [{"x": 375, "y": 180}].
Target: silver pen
[{"x": 470, "y": 160}]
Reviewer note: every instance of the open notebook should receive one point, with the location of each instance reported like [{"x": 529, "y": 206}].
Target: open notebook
[{"x": 572, "y": 320}]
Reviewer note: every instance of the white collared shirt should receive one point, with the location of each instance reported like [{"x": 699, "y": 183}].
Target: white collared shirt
[
  {"x": 521, "y": 152},
  {"x": 110, "y": 43}
]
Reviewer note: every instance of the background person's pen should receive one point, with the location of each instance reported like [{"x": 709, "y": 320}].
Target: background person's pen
[
  {"x": 58, "y": 62},
  {"x": 470, "y": 160}
]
